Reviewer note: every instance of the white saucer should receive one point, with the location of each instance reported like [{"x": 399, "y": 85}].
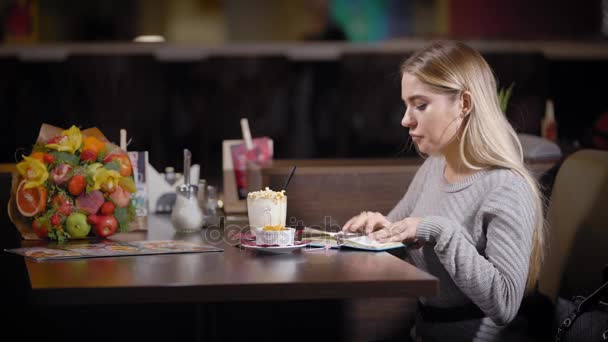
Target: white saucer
[{"x": 274, "y": 249}]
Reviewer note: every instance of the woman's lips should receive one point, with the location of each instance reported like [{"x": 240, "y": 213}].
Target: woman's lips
[{"x": 416, "y": 137}]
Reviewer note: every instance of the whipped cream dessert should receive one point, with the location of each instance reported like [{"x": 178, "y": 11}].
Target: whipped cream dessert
[
  {"x": 266, "y": 208},
  {"x": 274, "y": 236}
]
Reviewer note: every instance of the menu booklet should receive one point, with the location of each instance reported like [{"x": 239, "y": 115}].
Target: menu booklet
[
  {"x": 111, "y": 249},
  {"x": 320, "y": 238}
]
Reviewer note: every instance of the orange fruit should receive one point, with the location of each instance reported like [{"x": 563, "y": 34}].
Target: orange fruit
[
  {"x": 31, "y": 201},
  {"x": 38, "y": 155},
  {"x": 93, "y": 144}
]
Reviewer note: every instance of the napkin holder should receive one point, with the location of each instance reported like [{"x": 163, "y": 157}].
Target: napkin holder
[{"x": 161, "y": 194}]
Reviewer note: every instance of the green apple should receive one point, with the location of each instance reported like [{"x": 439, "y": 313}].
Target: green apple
[{"x": 77, "y": 225}]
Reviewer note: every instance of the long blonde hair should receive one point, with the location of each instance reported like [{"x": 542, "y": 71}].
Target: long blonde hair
[{"x": 487, "y": 138}]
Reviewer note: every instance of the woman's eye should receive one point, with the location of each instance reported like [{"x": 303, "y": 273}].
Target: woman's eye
[{"x": 421, "y": 107}]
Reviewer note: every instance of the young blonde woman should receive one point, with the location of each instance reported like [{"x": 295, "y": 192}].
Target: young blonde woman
[{"x": 473, "y": 207}]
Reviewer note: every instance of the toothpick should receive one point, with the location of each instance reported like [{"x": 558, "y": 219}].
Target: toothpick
[
  {"x": 246, "y": 133},
  {"x": 123, "y": 139}
]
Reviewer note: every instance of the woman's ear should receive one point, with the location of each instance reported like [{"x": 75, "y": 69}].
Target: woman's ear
[{"x": 466, "y": 103}]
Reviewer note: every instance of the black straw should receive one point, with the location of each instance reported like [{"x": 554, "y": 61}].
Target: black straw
[{"x": 293, "y": 169}]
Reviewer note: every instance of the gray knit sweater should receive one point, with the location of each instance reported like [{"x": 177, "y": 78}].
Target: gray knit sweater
[{"x": 478, "y": 235}]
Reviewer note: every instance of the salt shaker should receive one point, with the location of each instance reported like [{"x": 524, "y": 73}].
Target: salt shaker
[{"x": 187, "y": 216}]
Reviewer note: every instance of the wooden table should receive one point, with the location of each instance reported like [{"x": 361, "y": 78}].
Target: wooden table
[
  {"x": 232, "y": 275},
  {"x": 218, "y": 296}
]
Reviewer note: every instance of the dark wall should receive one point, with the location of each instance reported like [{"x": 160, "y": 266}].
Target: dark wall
[
  {"x": 349, "y": 107},
  {"x": 525, "y": 19}
]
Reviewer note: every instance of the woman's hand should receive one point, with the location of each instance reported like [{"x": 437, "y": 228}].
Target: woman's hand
[
  {"x": 366, "y": 222},
  {"x": 400, "y": 231}
]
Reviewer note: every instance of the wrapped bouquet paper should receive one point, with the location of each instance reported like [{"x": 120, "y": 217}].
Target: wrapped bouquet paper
[{"x": 75, "y": 184}]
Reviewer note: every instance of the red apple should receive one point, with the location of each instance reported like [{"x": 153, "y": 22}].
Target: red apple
[
  {"x": 93, "y": 219},
  {"x": 106, "y": 226}
]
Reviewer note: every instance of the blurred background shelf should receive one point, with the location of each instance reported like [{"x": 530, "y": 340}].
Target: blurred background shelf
[{"x": 296, "y": 51}]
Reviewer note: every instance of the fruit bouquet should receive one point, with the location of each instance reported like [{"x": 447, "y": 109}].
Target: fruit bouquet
[{"x": 75, "y": 184}]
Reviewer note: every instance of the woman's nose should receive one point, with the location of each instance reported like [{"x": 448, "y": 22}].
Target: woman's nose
[{"x": 407, "y": 120}]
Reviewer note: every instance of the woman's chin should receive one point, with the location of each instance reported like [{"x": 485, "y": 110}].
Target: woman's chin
[
  {"x": 426, "y": 150},
  {"x": 422, "y": 148}
]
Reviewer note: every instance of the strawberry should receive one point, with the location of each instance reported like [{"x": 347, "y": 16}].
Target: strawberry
[
  {"x": 88, "y": 156},
  {"x": 48, "y": 158},
  {"x": 77, "y": 184},
  {"x": 41, "y": 229},
  {"x": 55, "y": 219},
  {"x": 107, "y": 208},
  {"x": 54, "y": 140},
  {"x": 63, "y": 203}
]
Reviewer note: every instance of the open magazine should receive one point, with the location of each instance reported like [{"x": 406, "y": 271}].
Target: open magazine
[
  {"x": 322, "y": 238},
  {"x": 111, "y": 249}
]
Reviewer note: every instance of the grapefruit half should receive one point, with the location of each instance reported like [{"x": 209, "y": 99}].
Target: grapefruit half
[{"x": 31, "y": 201}]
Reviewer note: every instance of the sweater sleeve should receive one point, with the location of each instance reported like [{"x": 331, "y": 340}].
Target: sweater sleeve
[
  {"x": 405, "y": 206},
  {"x": 494, "y": 280}
]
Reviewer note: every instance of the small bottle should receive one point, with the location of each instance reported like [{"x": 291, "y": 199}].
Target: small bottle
[
  {"x": 212, "y": 215},
  {"x": 202, "y": 200},
  {"x": 170, "y": 175},
  {"x": 548, "y": 124},
  {"x": 202, "y": 195}
]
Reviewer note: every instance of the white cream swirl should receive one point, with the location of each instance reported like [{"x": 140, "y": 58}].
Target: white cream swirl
[{"x": 268, "y": 194}]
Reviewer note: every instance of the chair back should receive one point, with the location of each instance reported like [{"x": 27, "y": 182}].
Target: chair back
[{"x": 578, "y": 226}]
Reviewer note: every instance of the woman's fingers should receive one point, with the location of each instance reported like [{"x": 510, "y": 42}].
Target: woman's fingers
[
  {"x": 366, "y": 222},
  {"x": 384, "y": 221},
  {"x": 393, "y": 232},
  {"x": 359, "y": 223},
  {"x": 394, "y": 238},
  {"x": 381, "y": 234},
  {"x": 349, "y": 223},
  {"x": 370, "y": 223},
  {"x": 374, "y": 221},
  {"x": 355, "y": 223},
  {"x": 400, "y": 231}
]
